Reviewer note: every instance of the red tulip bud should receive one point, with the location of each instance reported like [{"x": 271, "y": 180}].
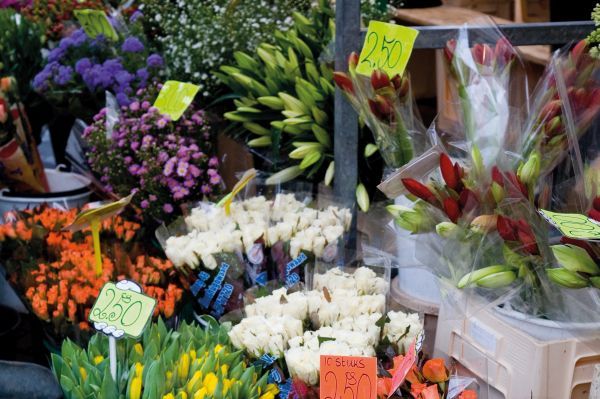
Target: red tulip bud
[
  {"x": 419, "y": 190},
  {"x": 353, "y": 60},
  {"x": 503, "y": 52},
  {"x": 452, "y": 209},
  {"x": 448, "y": 172},
  {"x": 482, "y": 53},
  {"x": 450, "y": 49},
  {"x": 382, "y": 107},
  {"x": 379, "y": 79},
  {"x": 497, "y": 176},
  {"x": 516, "y": 188},
  {"x": 468, "y": 200},
  {"x": 343, "y": 82},
  {"x": 402, "y": 85},
  {"x": 578, "y": 50},
  {"x": 505, "y": 229},
  {"x": 594, "y": 214},
  {"x": 550, "y": 110}
]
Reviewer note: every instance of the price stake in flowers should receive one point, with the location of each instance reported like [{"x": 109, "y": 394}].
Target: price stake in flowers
[
  {"x": 348, "y": 377},
  {"x": 573, "y": 225},
  {"x": 387, "y": 47},
  {"x": 175, "y": 97},
  {"x": 92, "y": 218},
  {"x": 95, "y": 23},
  {"x": 407, "y": 362},
  {"x": 121, "y": 310}
]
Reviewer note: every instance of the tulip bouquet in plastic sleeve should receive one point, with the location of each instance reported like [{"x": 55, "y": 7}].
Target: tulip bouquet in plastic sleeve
[{"x": 386, "y": 105}]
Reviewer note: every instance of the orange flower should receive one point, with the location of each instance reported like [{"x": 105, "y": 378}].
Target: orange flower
[
  {"x": 431, "y": 392},
  {"x": 468, "y": 394},
  {"x": 417, "y": 389},
  {"x": 434, "y": 370},
  {"x": 384, "y": 384}
]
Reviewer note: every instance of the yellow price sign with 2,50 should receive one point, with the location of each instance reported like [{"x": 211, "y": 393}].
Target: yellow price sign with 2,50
[{"x": 387, "y": 47}]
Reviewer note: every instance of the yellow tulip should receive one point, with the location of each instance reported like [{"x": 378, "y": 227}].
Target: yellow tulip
[
  {"x": 210, "y": 382},
  {"x": 135, "y": 390},
  {"x": 139, "y": 349},
  {"x": 139, "y": 369},
  {"x": 218, "y": 348},
  {"x": 192, "y": 382},
  {"x": 184, "y": 366},
  {"x": 182, "y": 395},
  {"x": 193, "y": 354},
  {"x": 98, "y": 359},
  {"x": 224, "y": 369},
  {"x": 169, "y": 375},
  {"x": 83, "y": 373},
  {"x": 200, "y": 394},
  {"x": 169, "y": 396},
  {"x": 227, "y": 383}
]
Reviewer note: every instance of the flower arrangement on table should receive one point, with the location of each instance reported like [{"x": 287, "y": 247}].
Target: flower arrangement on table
[
  {"x": 80, "y": 69},
  {"x": 166, "y": 163},
  {"x": 55, "y": 269},
  {"x": 259, "y": 241},
  {"x": 485, "y": 210},
  {"x": 189, "y": 362}
]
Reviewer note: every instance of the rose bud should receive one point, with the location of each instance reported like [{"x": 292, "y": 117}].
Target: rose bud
[
  {"x": 343, "y": 82},
  {"x": 434, "y": 370},
  {"x": 353, "y": 60}
]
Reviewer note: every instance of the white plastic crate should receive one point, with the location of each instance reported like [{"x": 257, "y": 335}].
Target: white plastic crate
[{"x": 511, "y": 362}]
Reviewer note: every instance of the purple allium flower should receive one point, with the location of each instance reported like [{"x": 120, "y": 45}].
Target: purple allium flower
[
  {"x": 154, "y": 61},
  {"x": 132, "y": 45}
]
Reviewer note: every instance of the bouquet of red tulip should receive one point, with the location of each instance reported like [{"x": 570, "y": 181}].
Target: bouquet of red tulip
[{"x": 386, "y": 105}]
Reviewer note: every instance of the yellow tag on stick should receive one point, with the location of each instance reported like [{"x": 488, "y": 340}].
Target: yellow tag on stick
[
  {"x": 387, "y": 47},
  {"x": 246, "y": 178},
  {"x": 175, "y": 97},
  {"x": 95, "y": 23},
  {"x": 573, "y": 225}
]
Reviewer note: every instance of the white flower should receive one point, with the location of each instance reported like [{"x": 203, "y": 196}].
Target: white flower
[
  {"x": 279, "y": 303},
  {"x": 397, "y": 328},
  {"x": 258, "y": 335},
  {"x": 364, "y": 280}
]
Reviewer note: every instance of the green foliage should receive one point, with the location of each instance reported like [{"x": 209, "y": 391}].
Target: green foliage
[{"x": 594, "y": 38}]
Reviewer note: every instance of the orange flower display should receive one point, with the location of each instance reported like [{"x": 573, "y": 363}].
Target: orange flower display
[
  {"x": 61, "y": 284},
  {"x": 434, "y": 370}
]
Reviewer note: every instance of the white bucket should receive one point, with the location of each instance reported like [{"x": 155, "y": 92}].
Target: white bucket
[
  {"x": 67, "y": 190},
  {"x": 413, "y": 279}
]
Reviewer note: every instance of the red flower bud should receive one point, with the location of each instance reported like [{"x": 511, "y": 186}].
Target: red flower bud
[
  {"x": 353, "y": 60},
  {"x": 596, "y": 203},
  {"x": 450, "y": 49},
  {"x": 505, "y": 229},
  {"x": 379, "y": 79},
  {"x": 468, "y": 200},
  {"x": 579, "y": 243},
  {"x": 483, "y": 54},
  {"x": 516, "y": 188},
  {"x": 448, "y": 172},
  {"x": 452, "y": 209},
  {"x": 550, "y": 110},
  {"x": 419, "y": 190},
  {"x": 402, "y": 85},
  {"x": 528, "y": 241},
  {"x": 503, "y": 52},
  {"x": 382, "y": 107},
  {"x": 578, "y": 50},
  {"x": 497, "y": 176},
  {"x": 343, "y": 82},
  {"x": 594, "y": 214}
]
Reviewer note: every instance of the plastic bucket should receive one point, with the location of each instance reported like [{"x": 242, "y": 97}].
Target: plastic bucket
[{"x": 67, "y": 190}]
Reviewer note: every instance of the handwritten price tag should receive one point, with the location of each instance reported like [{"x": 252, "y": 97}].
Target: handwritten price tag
[
  {"x": 95, "y": 23},
  {"x": 101, "y": 212},
  {"x": 122, "y": 309},
  {"x": 387, "y": 47},
  {"x": 175, "y": 97},
  {"x": 348, "y": 377},
  {"x": 407, "y": 363},
  {"x": 573, "y": 225}
]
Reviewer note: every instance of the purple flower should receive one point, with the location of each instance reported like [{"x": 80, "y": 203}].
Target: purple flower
[
  {"x": 154, "y": 61},
  {"x": 57, "y": 53},
  {"x": 180, "y": 192},
  {"x": 162, "y": 157},
  {"x": 135, "y": 16},
  {"x": 132, "y": 45},
  {"x": 123, "y": 78},
  {"x": 135, "y": 145},
  {"x": 168, "y": 208},
  {"x": 182, "y": 168},
  {"x": 152, "y": 197},
  {"x": 134, "y": 169},
  {"x": 194, "y": 171},
  {"x": 214, "y": 180},
  {"x": 64, "y": 75},
  {"x": 142, "y": 74},
  {"x": 169, "y": 166},
  {"x": 83, "y": 65},
  {"x": 134, "y": 106},
  {"x": 122, "y": 99},
  {"x": 145, "y": 105},
  {"x": 144, "y": 204},
  {"x": 161, "y": 123},
  {"x": 213, "y": 162},
  {"x": 206, "y": 189}
]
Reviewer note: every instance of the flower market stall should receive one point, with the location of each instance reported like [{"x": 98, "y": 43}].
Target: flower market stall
[{"x": 131, "y": 266}]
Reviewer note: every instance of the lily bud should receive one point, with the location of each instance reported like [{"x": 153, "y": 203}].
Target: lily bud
[
  {"x": 447, "y": 229},
  {"x": 329, "y": 173},
  {"x": 414, "y": 220},
  {"x": 578, "y": 50},
  {"x": 343, "y": 82},
  {"x": 497, "y": 280},
  {"x": 353, "y": 60},
  {"x": 550, "y": 110},
  {"x": 477, "y": 160},
  {"x": 595, "y": 281},
  {"x": 497, "y": 192},
  {"x": 419, "y": 190},
  {"x": 452, "y": 209},
  {"x": 552, "y": 127},
  {"x": 530, "y": 170},
  {"x": 379, "y": 79},
  {"x": 566, "y": 278},
  {"x": 448, "y": 172},
  {"x": 362, "y": 197},
  {"x": 484, "y": 223},
  {"x": 575, "y": 259},
  {"x": 476, "y": 275},
  {"x": 594, "y": 214},
  {"x": 284, "y": 175}
]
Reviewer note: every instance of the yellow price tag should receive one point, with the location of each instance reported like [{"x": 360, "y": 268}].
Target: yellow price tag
[
  {"x": 122, "y": 309},
  {"x": 95, "y": 23},
  {"x": 175, "y": 97},
  {"x": 92, "y": 218},
  {"x": 387, "y": 47},
  {"x": 573, "y": 225}
]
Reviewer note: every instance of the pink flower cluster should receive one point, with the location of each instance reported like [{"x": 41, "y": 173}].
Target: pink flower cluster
[{"x": 164, "y": 162}]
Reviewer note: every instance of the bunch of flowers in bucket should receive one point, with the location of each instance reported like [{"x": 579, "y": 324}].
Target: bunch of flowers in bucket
[
  {"x": 80, "y": 69},
  {"x": 485, "y": 209},
  {"x": 165, "y": 162},
  {"x": 189, "y": 362},
  {"x": 260, "y": 240},
  {"x": 55, "y": 269}
]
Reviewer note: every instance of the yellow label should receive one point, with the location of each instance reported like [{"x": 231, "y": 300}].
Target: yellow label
[
  {"x": 573, "y": 225},
  {"x": 95, "y": 23},
  {"x": 175, "y": 97},
  {"x": 387, "y": 47},
  {"x": 100, "y": 213}
]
